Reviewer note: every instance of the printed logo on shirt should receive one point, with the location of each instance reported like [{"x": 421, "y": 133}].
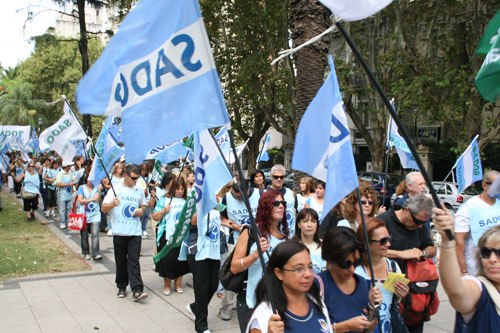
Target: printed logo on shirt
[
  {"x": 244, "y": 220},
  {"x": 128, "y": 211},
  {"x": 289, "y": 219},
  {"x": 213, "y": 232},
  {"x": 91, "y": 207},
  {"x": 323, "y": 325},
  {"x": 177, "y": 215}
]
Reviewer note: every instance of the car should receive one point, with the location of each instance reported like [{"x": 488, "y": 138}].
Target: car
[
  {"x": 289, "y": 181},
  {"x": 378, "y": 180},
  {"x": 448, "y": 194}
]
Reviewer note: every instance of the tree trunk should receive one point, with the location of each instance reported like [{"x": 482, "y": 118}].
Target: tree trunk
[
  {"x": 84, "y": 51},
  {"x": 308, "y": 19}
]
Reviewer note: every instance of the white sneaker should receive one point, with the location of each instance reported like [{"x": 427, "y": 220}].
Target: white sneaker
[
  {"x": 53, "y": 213},
  {"x": 110, "y": 232},
  {"x": 47, "y": 213},
  {"x": 145, "y": 233},
  {"x": 62, "y": 226}
]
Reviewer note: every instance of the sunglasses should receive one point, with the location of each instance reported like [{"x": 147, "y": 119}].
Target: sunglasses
[
  {"x": 347, "y": 263},
  {"x": 365, "y": 202},
  {"x": 417, "y": 221},
  {"x": 277, "y": 203},
  {"x": 30, "y": 166},
  {"x": 382, "y": 241},
  {"x": 278, "y": 177},
  {"x": 487, "y": 183},
  {"x": 134, "y": 178},
  {"x": 486, "y": 252}
]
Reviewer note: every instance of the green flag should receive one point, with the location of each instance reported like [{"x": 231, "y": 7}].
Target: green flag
[
  {"x": 181, "y": 227},
  {"x": 490, "y": 35},
  {"x": 189, "y": 142},
  {"x": 157, "y": 174},
  {"x": 488, "y": 78}
]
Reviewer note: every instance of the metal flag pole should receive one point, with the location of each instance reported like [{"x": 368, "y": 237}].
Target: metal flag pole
[{"x": 401, "y": 128}]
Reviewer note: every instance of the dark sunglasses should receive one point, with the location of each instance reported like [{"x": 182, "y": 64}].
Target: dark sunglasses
[
  {"x": 369, "y": 202},
  {"x": 485, "y": 252},
  {"x": 382, "y": 241},
  {"x": 134, "y": 178},
  {"x": 277, "y": 203},
  {"x": 278, "y": 177},
  {"x": 487, "y": 183},
  {"x": 30, "y": 166},
  {"x": 417, "y": 221},
  {"x": 347, "y": 263}
]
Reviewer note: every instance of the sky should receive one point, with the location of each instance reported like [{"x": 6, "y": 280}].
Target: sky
[{"x": 14, "y": 42}]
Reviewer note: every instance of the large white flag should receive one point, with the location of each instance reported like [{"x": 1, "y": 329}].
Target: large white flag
[
  {"x": 58, "y": 136},
  {"x": 354, "y": 10}
]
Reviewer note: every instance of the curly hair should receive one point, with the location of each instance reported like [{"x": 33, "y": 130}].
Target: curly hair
[
  {"x": 264, "y": 211},
  {"x": 366, "y": 189}
]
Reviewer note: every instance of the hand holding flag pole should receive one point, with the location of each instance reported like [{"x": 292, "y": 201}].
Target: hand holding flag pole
[{"x": 394, "y": 115}]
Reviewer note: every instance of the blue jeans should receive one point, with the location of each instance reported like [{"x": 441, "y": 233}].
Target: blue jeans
[
  {"x": 144, "y": 219},
  {"x": 84, "y": 235},
  {"x": 64, "y": 210}
]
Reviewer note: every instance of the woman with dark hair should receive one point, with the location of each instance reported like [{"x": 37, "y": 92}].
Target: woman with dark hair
[
  {"x": 306, "y": 232},
  {"x": 380, "y": 241},
  {"x": 88, "y": 199},
  {"x": 258, "y": 180},
  {"x": 45, "y": 165},
  {"x": 167, "y": 211},
  {"x": 317, "y": 200},
  {"x": 347, "y": 295},
  {"x": 307, "y": 190},
  {"x": 297, "y": 298},
  {"x": 271, "y": 221},
  {"x": 30, "y": 190},
  {"x": 50, "y": 179},
  {"x": 351, "y": 211}
]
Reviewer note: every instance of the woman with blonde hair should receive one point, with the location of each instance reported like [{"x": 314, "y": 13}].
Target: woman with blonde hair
[
  {"x": 351, "y": 211},
  {"x": 307, "y": 190}
]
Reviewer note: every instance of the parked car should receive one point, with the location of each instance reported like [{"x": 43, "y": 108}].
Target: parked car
[
  {"x": 379, "y": 184},
  {"x": 448, "y": 194},
  {"x": 289, "y": 181}
]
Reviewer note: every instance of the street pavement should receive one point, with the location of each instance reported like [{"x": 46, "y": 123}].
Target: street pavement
[{"x": 86, "y": 301}]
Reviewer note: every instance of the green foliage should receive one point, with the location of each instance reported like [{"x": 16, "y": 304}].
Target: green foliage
[
  {"x": 276, "y": 156},
  {"x": 16, "y": 104}
]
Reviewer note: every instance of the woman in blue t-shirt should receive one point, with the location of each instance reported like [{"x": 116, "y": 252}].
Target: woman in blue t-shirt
[
  {"x": 306, "y": 232},
  {"x": 296, "y": 297},
  {"x": 347, "y": 295},
  {"x": 88, "y": 199}
]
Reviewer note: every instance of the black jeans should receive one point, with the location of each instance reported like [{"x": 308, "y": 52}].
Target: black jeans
[
  {"x": 205, "y": 283},
  {"x": 128, "y": 268},
  {"x": 242, "y": 311}
]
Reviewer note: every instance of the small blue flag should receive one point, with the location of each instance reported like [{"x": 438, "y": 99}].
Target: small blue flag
[
  {"x": 157, "y": 73},
  {"x": 468, "y": 166},
  {"x": 395, "y": 140},
  {"x": 168, "y": 153},
  {"x": 263, "y": 156}
]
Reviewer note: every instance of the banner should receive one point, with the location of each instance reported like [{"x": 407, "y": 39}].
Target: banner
[
  {"x": 354, "y": 10},
  {"x": 490, "y": 35},
  {"x": 263, "y": 156},
  {"x": 168, "y": 153},
  {"x": 157, "y": 73},
  {"x": 468, "y": 166},
  {"x": 397, "y": 141},
  {"x": 11, "y": 132}
]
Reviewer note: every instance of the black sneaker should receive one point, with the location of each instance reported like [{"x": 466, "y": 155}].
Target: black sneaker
[
  {"x": 121, "y": 293},
  {"x": 138, "y": 295}
]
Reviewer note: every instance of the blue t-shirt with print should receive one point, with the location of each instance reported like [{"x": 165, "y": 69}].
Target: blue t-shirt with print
[{"x": 313, "y": 321}]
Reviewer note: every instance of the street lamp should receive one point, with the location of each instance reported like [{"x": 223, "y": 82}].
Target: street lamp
[{"x": 40, "y": 121}]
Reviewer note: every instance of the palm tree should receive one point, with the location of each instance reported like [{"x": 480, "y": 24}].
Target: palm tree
[{"x": 16, "y": 104}]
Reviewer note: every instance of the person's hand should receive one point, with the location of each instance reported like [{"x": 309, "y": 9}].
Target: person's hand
[
  {"x": 264, "y": 245},
  {"x": 153, "y": 192},
  {"x": 116, "y": 201},
  {"x": 442, "y": 221},
  {"x": 138, "y": 212},
  {"x": 382, "y": 209},
  {"x": 401, "y": 289},
  {"x": 166, "y": 209},
  {"x": 412, "y": 254},
  {"x": 358, "y": 324},
  {"x": 275, "y": 325},
  {"x": 375, "y": 296}
]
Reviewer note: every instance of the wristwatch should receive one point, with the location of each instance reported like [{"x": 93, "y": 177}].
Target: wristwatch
[{"x": 425, "y": 254}]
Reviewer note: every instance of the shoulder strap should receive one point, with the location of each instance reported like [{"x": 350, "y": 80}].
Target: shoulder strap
[
  {"x": 393, "y": 265},
  {"x": 321, "y": 286},
  {"x": 492, "y": 291}
]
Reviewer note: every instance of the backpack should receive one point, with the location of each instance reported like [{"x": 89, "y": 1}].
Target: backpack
[{"x": 422, "y": 301}]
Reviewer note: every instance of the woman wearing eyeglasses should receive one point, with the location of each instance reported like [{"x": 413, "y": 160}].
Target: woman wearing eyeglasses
[
  {"x": 351, "y": 211},
  {"x": 297, "y": 298},
  {"x": 271, "y": 221},
  {"x": 30, "y": 191},
  {"x": 380, "y": 240},
  {"x": 347, "y": 295},
  {"x": 476, "y": 299}
]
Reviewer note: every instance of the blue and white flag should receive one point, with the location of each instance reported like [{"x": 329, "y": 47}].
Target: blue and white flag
[
  {"x": 397, "y": 141},
  {"x": 263, "y": 156},
  {"x": 107, "y": 153},
  {"x": 168, "y": 153},
  {"x": 115, "y": 129},
  {"x": 157, "y": 73},
  {"x": 468, "y": 166},
  {"x": 323, "y": 144},
  {"x": 34, "y": 141},
  {"x": 210, "y": 172},
  {"x": 222, "y": 138}
]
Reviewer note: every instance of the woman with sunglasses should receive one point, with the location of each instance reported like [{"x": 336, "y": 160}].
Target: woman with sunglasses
[
  {"x": 306, "y": 232},
  {"x": 273, "y": 228},
  {"x": 476, "y": 299},
  {"x": 297, "y": 298},
  {"x": 30, "y": 190},
  {"x": 380, "y": 241},
  {"x": 347, "y": 295},
  {"x": 307, "y": 190},
  {"x": 351, "y": 211}
]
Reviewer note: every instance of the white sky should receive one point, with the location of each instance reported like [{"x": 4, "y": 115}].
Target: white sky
[{"x": 14, "y": 46}]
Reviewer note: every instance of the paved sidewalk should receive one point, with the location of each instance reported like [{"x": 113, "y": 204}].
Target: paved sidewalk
[{"x": 86, "y": 301}]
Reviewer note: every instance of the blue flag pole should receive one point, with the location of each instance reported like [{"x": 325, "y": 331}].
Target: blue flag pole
[{"x": 394, "y": 115}]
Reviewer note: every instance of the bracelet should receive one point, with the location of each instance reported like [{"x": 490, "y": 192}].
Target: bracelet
[
  {"x": 241, "y": 263},
  {"x": 334, "y": 326},
  {"x": 447, "y": 247}
]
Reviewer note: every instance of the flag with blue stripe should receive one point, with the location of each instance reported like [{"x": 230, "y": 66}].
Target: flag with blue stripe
[
  {"x": 323, "y": 144},
  {"x": 468, "y": 166},
  {"x": 157, "y": 73},
  {"x": 397, "y": 141},
  {"x": 168, "y": 153},
  {"x": 210, "y": 172},
  {"x": 222, "y": 139},
  {"x": 263, "y": 156}
]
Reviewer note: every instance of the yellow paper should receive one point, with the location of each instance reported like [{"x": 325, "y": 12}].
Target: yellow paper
[{"x": 392, "y": 279}]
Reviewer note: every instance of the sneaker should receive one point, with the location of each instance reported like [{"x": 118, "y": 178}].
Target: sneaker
[
  {"x": 190, "y": 311},
  {"x": 122, "y": 293},
  {"x": 62, "y": 226},
  {"x": 224, "y": 314},
  {"x": 145, "y": 233},
  {"x": 110, "y": 232},
  {"x": 53, "y": 213},
  {"x": 207, "y": 331},
  {"x": 138, "y": 295},
  {"x": 47, "y": 213},
  {"x": 98, "y": 257},
  {"x": 86, "y": 257}
]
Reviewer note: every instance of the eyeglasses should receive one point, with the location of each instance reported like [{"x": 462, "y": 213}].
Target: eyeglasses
[
  {"x": 365, "y": 202},
  {"x": 299, "y": 270},
  {"x": 347, "y": 263},
  {"x": 417, "y": 221},
  {"x": 382, "y": 241},
  {"x": 487, "y": 183},
  {"x": 277, "y": 203},
  {"x": 133, "y": 178},
  {"x": 30, "y": 166},
  {"x": 278, "y": 177},
  {"x": 486, "y": 252}
]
